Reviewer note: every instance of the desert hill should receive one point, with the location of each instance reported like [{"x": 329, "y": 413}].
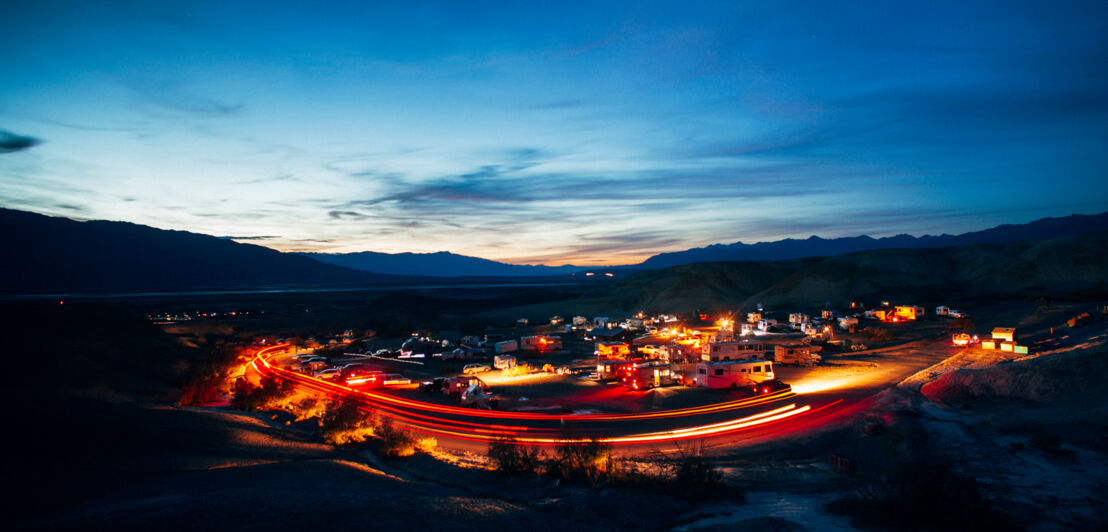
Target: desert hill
[{"x": 1068, "y": 267}]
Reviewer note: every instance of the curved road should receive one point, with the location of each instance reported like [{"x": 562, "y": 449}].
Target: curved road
[{"x": 714, "y": 425}]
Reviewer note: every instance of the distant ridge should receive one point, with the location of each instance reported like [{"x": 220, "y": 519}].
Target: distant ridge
[
  {"x": 820, "y": 247},
  {"x": 441, "y": 264},
  {"x": 55, "y": 255},
  {"x": 445, "y": 264}
]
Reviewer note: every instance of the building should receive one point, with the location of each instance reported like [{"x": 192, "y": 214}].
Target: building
[
  {"x": 766, "y": 324},
  {"x": 753, "y": 317},
  {"x": 1006, "y": 334}
]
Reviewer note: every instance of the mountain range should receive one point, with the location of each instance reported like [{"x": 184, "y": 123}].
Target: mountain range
[
  {"x": 49, "y": 255},
  {"x": 445, "y": 264}
]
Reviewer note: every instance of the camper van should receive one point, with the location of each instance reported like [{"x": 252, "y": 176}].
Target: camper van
[
  {"x": 649, "y": 374},
  {"x": 610, "y": 369},
  {"x": 733, "y": 374}
]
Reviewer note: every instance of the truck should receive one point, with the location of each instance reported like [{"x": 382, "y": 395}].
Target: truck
[
  {"x": 479, "y": 396},
  {"x": 733, "y": 374}
]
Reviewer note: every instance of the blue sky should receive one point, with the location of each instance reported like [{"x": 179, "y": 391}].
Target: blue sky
[{"x": 554, "y": 132}]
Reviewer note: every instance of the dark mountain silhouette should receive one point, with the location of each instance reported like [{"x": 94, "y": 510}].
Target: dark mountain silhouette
[
  {"x": 54, "y": 255},
  {"x": 1069, "y": 267},
  {"x": 821, "y": 247},
  {"x": 441, "y": 264},
  {"x": 445, "y": 264}
]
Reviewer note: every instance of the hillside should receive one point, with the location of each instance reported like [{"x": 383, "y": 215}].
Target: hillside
[
  {"x": 1069, "y": 267},
  {"x": 54, "y": 255}
]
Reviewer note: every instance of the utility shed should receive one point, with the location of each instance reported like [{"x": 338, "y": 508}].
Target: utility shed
[{"x": 1005, "y": 334}]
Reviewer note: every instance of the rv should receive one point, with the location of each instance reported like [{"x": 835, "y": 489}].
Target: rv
[
  {"x": 542, "y": 344},
  {"x": 648, "y": 374},
  {"x": 613, "y": 349},
  {"x": 732, "y": 374},
  {"x": 504, "y": 361},
  {"x": 716, "y": 351},
  {"x": 798, "y": 354},
  {"x": 608, "y": 369}
]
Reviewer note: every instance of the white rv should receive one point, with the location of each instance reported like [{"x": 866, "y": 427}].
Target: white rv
[{"x": 733, "y": 374}]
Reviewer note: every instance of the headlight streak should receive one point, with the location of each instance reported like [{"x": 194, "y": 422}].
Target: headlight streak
[{"x": 399, "y": 410}]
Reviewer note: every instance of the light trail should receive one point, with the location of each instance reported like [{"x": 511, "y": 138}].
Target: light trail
[{"x": 434, "y": 419}]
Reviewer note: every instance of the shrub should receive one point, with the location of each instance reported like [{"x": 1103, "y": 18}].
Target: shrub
[
  {"x": 588, "y": 460},
  {"x": 247, "y": 396},
  {"x": 394, "y": 442},
  {"x": 344, "y": 424},
  {"x": 201, "y": 391},
  {"x": 508, "y": 456}
]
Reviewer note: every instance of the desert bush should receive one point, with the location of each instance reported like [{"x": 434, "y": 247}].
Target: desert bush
[
  {"x": 518, "y": 370},
  {"x": 202, "y": 390},
  {"x": 583, "y": 460},
  {"x": 247, "y": 396},
  {"x": 344, "y": 424},
  {"x": 507, "y": 456},
  {"x": 922, "y": 495},
  {"x": 394, "y": 442}
]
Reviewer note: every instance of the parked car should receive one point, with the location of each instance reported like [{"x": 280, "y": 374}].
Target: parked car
[
  {"x": 771, "y": 386},
  {"x": 473, "y": 369},
  {"x": 432, "y": 386},
  {"x": 328, "y": 374}
]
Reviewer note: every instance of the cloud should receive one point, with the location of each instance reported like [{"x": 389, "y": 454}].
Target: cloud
[
  {"x": 11, "y": 143},
  {"x": 345, "y": 215}
]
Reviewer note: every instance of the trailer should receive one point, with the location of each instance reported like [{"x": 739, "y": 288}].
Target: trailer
[
  {"x": 507, "y": 346},
  {"x": 648, "y": 374},
  {"x": 796, "y": 354},
  {"x": 733, "y": 374}
]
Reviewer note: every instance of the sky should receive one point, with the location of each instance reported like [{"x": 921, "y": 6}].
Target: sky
[{"x": 553, "y": 132}]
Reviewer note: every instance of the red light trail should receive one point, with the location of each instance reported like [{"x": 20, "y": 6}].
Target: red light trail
[{"x": 549, "y": 429}]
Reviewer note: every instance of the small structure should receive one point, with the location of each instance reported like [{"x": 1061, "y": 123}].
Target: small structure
[
  {"x": 579, "y": 321},
  {"x": 846, "y": 322},
  {"x": 766, "y": 323},
  {"x": 556, "y": 320},
  {"x": 798, "y": 318},
  {"x": 1007, "y": 334},
  {"x": 601, "y": 321}
]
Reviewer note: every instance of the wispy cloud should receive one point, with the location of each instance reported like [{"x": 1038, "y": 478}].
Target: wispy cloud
[{"x": 10, "y": 142}]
